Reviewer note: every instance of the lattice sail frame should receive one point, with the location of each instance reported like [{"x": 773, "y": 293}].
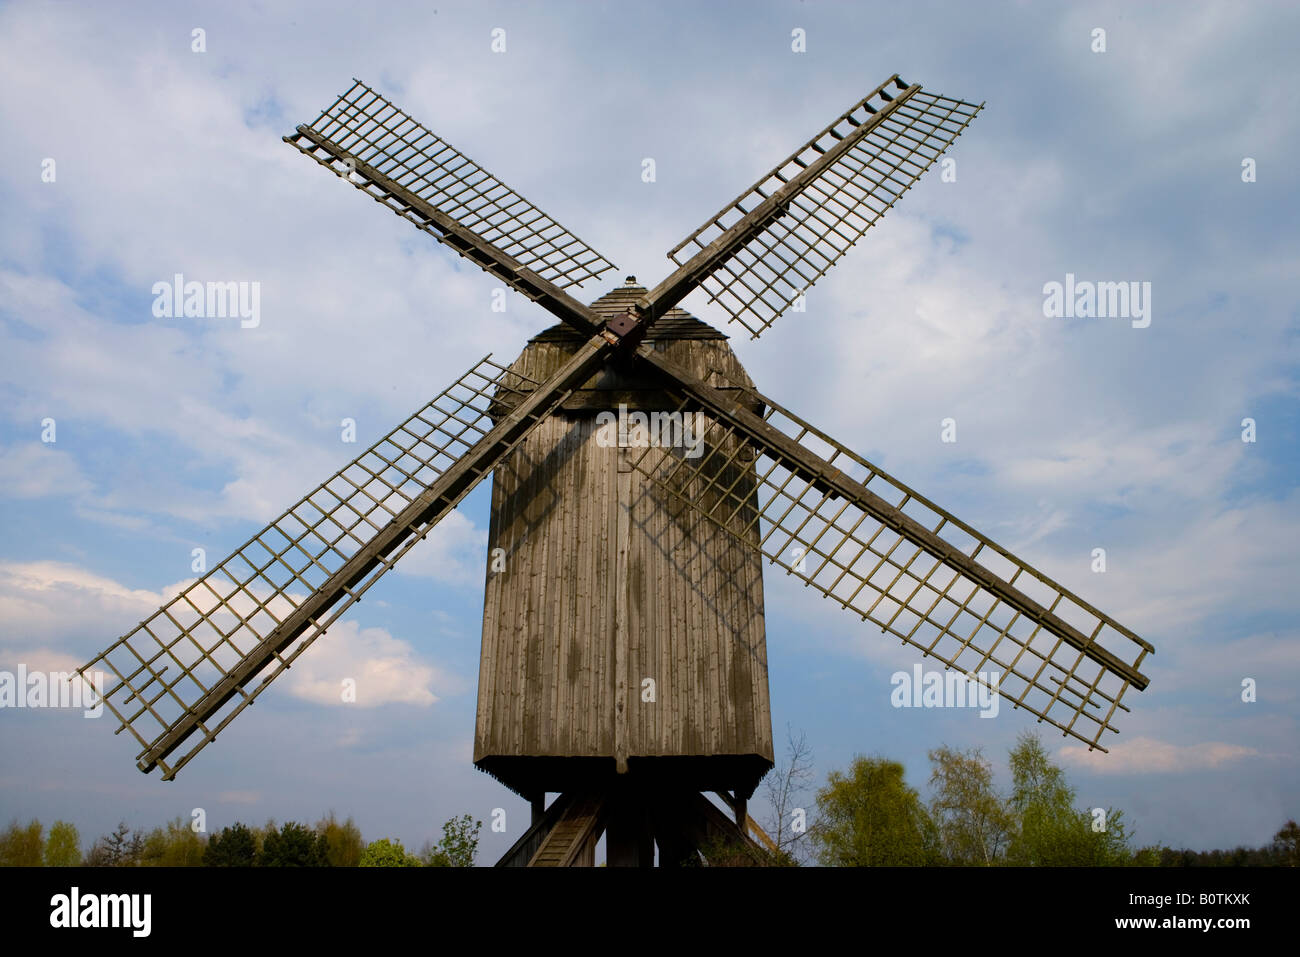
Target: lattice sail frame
[
  {"x": 851, "y": 557},
  {"x": 369, "y": 128},
  {"x": 826, "y": 219},
  {"x": 163, "y": 668}
]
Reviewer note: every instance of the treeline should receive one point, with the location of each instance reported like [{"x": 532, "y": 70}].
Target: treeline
[
  {"x": 1284, "y": 851},
  {"x": 870, "y": 816},
  {"x": 329, "y": 843}
]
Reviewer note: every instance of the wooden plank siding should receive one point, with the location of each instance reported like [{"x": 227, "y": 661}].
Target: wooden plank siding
[{"x": 573, "y": 624}]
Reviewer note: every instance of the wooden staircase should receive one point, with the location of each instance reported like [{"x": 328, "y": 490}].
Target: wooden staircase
[{"x": 565, "y": 836}]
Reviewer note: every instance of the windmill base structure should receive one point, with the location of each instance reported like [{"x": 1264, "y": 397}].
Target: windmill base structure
[
  {"x": 636, "y": 817},
  {"x": 639, "y": 482}
]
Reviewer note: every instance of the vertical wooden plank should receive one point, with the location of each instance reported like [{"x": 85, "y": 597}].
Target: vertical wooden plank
[
  {"x": 572, "y": 651},
  {"x": 666, "y": 610},
  {"x": 605, "y": 637},
  {"x": 621, "y": 702}
]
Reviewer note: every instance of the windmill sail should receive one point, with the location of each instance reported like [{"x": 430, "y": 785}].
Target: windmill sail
[
  {"x": 867, "y": 541},
  {"x": 187, "y": 669},
  {"x": 769, "y": 245},
  {"x": 405, "y": 166}
]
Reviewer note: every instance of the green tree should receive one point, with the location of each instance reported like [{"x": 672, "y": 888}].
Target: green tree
[
  {"x": 22, "y": 845},
  {"x": 386, "y": 853},
  {"x": 871, "y": 817},
  {"x": 1112, "y": 847},
  {"x": 973, "y": 820},
  {"x": 175, "y": 844},
  {"x": 1150, "y": 856},
  {"x": 259, "y": 836},
  {"x": 232, "y": 846},
  {"x": 458, "y": 845},
  {"x": 1286, "y": 844},
  {"x": 1048, "y": 830},
  {"x": 341, "y": 843},
  {"x": 293, "y": 845},
  {"x": 63, "y": 846}
]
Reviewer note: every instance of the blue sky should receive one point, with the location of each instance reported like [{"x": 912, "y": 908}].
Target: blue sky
[{"x": 1072, "y": 433}]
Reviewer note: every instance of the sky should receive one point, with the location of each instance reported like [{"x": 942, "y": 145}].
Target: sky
[{"x": 1167, "y": 158}]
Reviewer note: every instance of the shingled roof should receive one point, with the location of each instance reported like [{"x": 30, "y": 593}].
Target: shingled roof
[{"x": 674, "y": 324}]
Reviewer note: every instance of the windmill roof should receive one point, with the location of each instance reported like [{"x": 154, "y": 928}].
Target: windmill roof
[{"x": 675, "y": 324}]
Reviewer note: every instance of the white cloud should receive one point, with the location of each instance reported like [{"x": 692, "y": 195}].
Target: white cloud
[
  {"x": 1150, "y": 756},
  {"x": 61, "y": 603},
  {"x": 385, "y": 669},
  {"x": 37, "y": 470},
  {"x": 47, "y": 600},
  {"x": 454, "y": 553}
]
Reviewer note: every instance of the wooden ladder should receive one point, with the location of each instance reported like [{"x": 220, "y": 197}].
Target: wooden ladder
[{"x": 572, "y": 840}]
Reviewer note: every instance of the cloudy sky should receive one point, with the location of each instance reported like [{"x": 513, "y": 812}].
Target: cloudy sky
[{"x": 1072, "y": 434}]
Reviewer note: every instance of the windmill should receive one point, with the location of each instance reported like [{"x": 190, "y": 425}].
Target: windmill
[{"x": 623, "y": 662}]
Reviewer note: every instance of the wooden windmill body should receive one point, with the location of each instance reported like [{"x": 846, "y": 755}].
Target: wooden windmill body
[
  {"x": 624, "y": 662},
  {"x": 622, "y": 632}
]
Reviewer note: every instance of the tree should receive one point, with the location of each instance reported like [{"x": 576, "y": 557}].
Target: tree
[
  {"x": 63, "y": 846},
  {"x": 341, "y": 843},
  {"x": 786, "y": 786},
  {"x": 232, "y": 846},
  {"x": 386, "y": 853},
  {"x": 122, "y": 848},
  {"x": 259, "y": 836},
  {"x": 1048, "y": 830},
  {"x": 293, "y": 845},
  {"x": 1286, "y": 845},
  {"x": 871, "y": 817},
  {"x": 973, "y": 820},
  {"x": 724, "y": 850},
  {"x": 21, "y": 845},
  {"x": 458, "y": 846},
  {"x": 175, "y": 844}
]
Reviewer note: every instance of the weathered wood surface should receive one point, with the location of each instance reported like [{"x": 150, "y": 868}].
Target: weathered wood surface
[{"x": 575, "y": 623}]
